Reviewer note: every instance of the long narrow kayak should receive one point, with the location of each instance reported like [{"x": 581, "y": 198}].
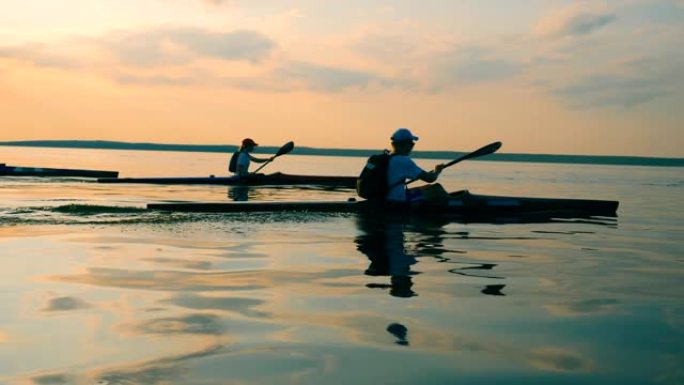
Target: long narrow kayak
[
  {"x": 460, "y": 203},
  {"x": 276, "y": 179},
  {"x": 39, "y": 171}
]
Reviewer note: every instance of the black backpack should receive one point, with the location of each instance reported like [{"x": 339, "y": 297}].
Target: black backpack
[
  {"x": 372, "y": 183},
  {"x": 232, "y": 166}
]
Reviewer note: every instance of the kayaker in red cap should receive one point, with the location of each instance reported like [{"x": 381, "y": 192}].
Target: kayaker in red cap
[{"x": 239, "y": 162}]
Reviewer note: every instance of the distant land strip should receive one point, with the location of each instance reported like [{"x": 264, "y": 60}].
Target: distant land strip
[{"x": 536, "y": 158}]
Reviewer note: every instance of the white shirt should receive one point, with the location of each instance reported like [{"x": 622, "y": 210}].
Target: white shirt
[
  {"x": 401, "y": 168},
  {"x": 242, "y": 162}
]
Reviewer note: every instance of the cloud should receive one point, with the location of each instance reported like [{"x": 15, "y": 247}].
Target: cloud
[
  {"x": 434, "y": 61},
  {"x": 608, "y": 90},
  {"x": 183, "y": 45},
  {"x": 66, "y": 303},
  {"x": 328, "y": 79},
  {"x": 155, "y": 80},
  {"x": 400, "y": 44},
  {"x": 479, "y": 70},
  {"x": 147, "y": 48},
  {"x": 216, "y": 2},
  {"x": 44, "y": 55},
  {"x": 52, "y": 379},
  {"x": 577, "y": 20},
  {"x": 472, "y": 65}
]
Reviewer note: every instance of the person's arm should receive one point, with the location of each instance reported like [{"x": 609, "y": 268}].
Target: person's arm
[
  {"x": 431, "y": 176},
  {"x": 260, "y": 160}
]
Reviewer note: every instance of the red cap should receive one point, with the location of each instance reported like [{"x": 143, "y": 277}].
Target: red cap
[{"x": 249, "y": 142}]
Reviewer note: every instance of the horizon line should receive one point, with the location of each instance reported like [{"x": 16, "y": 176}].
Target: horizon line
[{"x": 626, "y": 160}]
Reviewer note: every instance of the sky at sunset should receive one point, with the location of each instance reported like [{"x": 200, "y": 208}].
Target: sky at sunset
[{"x": 542, "y": 76}]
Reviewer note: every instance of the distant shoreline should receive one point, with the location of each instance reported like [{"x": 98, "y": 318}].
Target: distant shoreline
[{"x": 534, "y": 158}]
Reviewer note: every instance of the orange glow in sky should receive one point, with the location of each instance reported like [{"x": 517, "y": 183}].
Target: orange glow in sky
[{"x": 541, "y": 76}]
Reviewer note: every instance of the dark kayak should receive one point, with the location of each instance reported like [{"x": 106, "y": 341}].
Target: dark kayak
[
  {"x": 276, "y": 179},
  {"x": 38, "y": 171},
  {"x": 461, "y": 203}
]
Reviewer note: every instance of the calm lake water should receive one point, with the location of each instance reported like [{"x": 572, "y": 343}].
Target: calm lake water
[{"x": 96, "y": 290}]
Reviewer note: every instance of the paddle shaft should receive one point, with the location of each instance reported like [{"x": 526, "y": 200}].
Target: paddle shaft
[{"x": 486, "y": 150}]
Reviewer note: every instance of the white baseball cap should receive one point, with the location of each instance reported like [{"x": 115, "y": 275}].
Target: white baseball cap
[{"x": 403, "y": 135}]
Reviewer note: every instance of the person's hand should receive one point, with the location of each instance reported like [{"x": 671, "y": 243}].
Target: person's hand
[
  {"x": 438, "y": 168},
  {"x": 271, "y": 158}
]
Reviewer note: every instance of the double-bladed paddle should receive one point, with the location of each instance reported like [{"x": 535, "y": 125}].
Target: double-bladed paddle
[
  {"x": 286, "y": 148},
  {"x": 486, "y": 150}
]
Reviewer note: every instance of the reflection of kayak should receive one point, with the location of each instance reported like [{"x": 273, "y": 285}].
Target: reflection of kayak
[
  {"x": 461, "y": 203},
  {"x": 36, "y": 171},
  {"x": 276, "y": 179}
]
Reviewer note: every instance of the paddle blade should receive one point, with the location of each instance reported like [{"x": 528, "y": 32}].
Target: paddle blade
[
  {"x": 287, "y": 147},
  {"x": 486, "y": 150}
]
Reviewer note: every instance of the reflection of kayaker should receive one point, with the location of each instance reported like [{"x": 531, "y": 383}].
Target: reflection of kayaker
[
  {"x": 238, "y": 193},
  {"x": 400, "y": 332},
  {"x": 383, "y": 243}
]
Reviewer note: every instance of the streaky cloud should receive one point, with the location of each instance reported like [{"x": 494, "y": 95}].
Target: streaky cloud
[
  {"x": 476, "y": 70},
  {"x": 578, "y": 20},
  {"x": 472, "y": 65},
  {"x": 146, "y": 48},
  {"x": 289, "y": 77},
  {"x": 184, "y": 45},
  {"x": 155, "y": 80},
  {"x": 607, "y": 90},
  {"x": 42, "y": 55},
  {"x": 65, "y": 304},
  {"x": 324, "y": 78},
  {"x": 52, "y": 379}
]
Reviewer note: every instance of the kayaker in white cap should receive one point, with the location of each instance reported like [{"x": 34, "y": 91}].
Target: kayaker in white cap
[{"x": 402, "y": 168}]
